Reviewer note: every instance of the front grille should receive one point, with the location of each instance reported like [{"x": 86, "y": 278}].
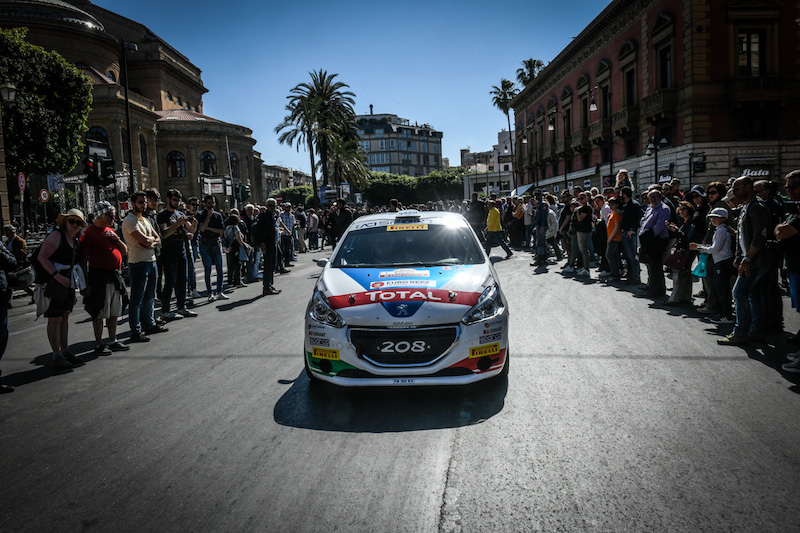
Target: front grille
[
  {"x": 403, "y": 347},
  {"x": 363, "y": 374}
]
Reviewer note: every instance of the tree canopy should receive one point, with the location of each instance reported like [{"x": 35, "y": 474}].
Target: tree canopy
[
  {"x": 530, "y": 69},
  {"x": 45, "y": 125}
]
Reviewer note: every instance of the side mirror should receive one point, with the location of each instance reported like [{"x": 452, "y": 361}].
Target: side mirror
[
  {"x": 495, "y": 259},
  {"x": 322, "y": 262}
]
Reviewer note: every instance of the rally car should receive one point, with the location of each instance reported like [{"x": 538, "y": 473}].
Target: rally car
[{"x": 407, "y": 298}]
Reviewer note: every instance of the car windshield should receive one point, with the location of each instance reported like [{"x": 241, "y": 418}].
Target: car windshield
[{"x": 409, "y": 245}]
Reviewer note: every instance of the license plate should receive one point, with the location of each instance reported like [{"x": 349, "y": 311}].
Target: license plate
[{"x": 404, "y": 381}]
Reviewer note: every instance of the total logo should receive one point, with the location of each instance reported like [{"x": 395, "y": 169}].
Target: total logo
[{"x": 389, "y": 296}]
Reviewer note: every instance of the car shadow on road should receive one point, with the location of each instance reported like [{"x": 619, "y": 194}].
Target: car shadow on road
[{"x": 383, "y": 410}]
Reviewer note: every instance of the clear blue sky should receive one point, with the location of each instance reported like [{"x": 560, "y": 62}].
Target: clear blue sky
[{"x": 428, "y": 61}]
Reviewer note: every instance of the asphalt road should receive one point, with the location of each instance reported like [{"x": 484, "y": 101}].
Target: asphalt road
[{"x": 618, "y": 415}]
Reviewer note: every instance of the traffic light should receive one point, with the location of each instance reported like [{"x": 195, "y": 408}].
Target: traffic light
[
  {"x": 245, "y": 193},
  {"x": 91, "y": 170},
  {"x": 106, "y": 173}
]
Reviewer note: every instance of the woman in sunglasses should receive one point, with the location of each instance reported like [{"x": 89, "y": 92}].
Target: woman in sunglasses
[{"x": 63, "y": 263}]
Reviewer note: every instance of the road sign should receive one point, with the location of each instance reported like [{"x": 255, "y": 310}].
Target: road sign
[
  {"x": 44, "y": 195},
  {"x": 279, "y": 198},
  {"x": 21, "y": 181}
]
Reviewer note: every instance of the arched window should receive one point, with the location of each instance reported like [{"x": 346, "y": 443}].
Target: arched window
[
  {"x": 111, "y": 75},
  {"x": 176, "y": 166},
  {"x": 234, "y": 166},
  {"x": 98, "y": 138},
  {"x": 143, "y": 151},
  {"x": 208, "y": 163}
]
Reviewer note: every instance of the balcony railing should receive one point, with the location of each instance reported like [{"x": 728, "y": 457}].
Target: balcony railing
[
  {"x": 625, "y": 121},
  {"x": 760, "y": 88},
  {"x": 598, "y": 130},
  {"x": 580, "y": 138},
  {"x": 661, "y": 104}
]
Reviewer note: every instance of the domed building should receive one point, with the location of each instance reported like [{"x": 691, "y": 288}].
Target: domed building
[{"x": 161, "y": 136}]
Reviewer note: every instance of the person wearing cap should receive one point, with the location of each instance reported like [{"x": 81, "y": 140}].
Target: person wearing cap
[
  {"x": 494, "y": 230},
  {"x": 721, "y": 251},
  {"x": 714, "y": 194},
  {"x": 107, "y": 293},
  {"x": 751, "y": 264},
  {"x": 61, "y": 257}
]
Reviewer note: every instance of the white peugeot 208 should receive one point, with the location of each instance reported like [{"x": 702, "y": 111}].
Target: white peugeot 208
[{"x": 407, "y": 298}]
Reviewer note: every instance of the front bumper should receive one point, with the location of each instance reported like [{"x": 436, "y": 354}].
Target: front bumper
[{"x": 479, "y": 352}]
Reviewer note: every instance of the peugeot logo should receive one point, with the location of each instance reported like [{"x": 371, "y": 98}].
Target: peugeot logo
[{"x": 402, "y": 310}]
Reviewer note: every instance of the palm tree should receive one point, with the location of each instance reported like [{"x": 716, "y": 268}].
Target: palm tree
[
  {"x": 298, "y": 129},
  {"x": 346, "y": 158},
  {"x": 530, "y": 69},
  {"x": 502, "y": 99},
  {"x": 334, "y": 105}
]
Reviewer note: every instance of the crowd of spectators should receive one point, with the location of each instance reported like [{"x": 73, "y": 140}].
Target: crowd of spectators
[{"x": 740, "y": 238}]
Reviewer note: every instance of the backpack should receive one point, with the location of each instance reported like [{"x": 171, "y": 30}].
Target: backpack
[{"x": 229, "y": 237}]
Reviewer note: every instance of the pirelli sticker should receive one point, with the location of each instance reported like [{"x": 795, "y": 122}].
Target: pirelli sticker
[
  {"x": 325, "y": 353},
  {"x": 486, "y": 349},
  {"x": 407, "y": 227}
]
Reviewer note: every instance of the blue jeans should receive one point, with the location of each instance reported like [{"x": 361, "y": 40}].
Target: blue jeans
[
  {"x": 143, "y": 295},
  {"x": 313, "y": 240},
  {"x": 212, "y": 256},
  {"x": 749, "y": 302},
  {"x": 528, "y": 230},
  {"x": 253, "y": 262},
  {"x": 629, "y": 245}
]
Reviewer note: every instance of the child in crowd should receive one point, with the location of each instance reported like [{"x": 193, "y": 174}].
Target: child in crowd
[{"x": 721, "y": 250}]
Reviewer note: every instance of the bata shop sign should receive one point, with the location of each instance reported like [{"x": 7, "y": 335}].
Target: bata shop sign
[{"x": 760, "y": 173}]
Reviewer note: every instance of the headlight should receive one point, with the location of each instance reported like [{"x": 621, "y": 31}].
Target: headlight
[
  {"x": 489, "y": 306},
  {"x": 320, "y": 310}
]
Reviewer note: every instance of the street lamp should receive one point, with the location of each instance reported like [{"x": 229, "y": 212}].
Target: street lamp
[
  {"x": 8, "y": 93},
  {"x": 607, "y": 112},
  {"x": 133, "y": 48},
  {"x": 653, "y": 149}
]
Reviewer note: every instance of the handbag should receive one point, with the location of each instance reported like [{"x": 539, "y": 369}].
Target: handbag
[
  {"x": 244, "y": 255},
  {"x": 700, "y": 270},
  {"x": 678, "y": 259},
  {"x": 21, "y": 277}
]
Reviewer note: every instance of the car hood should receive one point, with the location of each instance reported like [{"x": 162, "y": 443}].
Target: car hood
[{"x": 405, "y": 296}]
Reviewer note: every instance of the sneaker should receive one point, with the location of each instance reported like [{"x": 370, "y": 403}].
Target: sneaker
[
  {"x": 583, "y": 272},
  {"x": 604, "y": 274},
  {"x": 705, "y": 311},
  {"x": 160, "y": 320},
  {"x": 58, "y": 361},
  {"x": 211, "y": 298},
  {"x": 733, "y": 340},
  {"x": 102, "y": 350},
  {"x": 72, "y": 358},
  {"x": 568, "y": 270},
  {"x": 722, "y": 320},
  {"x": 138, "y": 336},
  {"x": 185, "y": 312},
  {"x": 793, "y": 366},
  {"x": 793, "y": 356},
  {"x": 222, "y": 296},
  {"x": 117, "y": 346},
  {"x": 195, "y": 294},
  {"x": 172, "y": 315},
  {"x": 156, "y": 329}
]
